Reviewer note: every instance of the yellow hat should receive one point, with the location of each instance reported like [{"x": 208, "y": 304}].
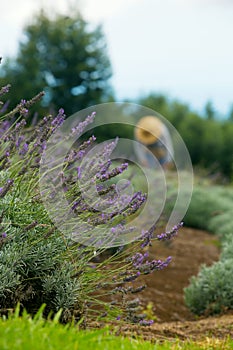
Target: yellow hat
[{"x": 148, "y": 130}]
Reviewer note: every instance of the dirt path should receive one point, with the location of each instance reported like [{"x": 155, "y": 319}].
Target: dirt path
[
  {"x": 211, "y": 327},
  {"x": 189, "y": 250}
]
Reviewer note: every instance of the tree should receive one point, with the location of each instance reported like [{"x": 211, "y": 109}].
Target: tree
[
  {"x": 209, "y": 110},
  {"x": 157, "y": 102},
  {"x": 64, "y": 57},
  {"x": 230, "y": 115}
]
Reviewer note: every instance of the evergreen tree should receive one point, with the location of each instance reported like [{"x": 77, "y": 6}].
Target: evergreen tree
[
  {"x": 209, "y": 110},
  {"x": 64, "y": 57},
  {"x": 230, "y": 116}
]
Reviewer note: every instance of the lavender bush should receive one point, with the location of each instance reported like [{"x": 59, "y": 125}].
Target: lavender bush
[{"x": 38, "y": 264}]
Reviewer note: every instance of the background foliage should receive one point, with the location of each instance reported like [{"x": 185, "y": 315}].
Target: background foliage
[
  {"x": 68, "y": 59},
  {"x": 63, "y": 56},
  {"x": 209, "y": 140}
]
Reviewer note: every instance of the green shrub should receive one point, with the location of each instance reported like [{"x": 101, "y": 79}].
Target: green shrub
[
  {"x": 222, "y": 224},
  {"x": 208, "y": 204},
  {"x": 211, "y": 290},
  {"x": 227, "y": 248}
]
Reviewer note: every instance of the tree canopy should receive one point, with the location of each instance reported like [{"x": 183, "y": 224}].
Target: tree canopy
[{"x": 63, "y": 56}]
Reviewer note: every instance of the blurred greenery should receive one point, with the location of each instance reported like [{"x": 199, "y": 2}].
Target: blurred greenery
[
  {"x": 209, "y": 140},
  {"x": 67, "y": 57},
  {"x": 211, "y": 209},
  {"x": 64, "y": 56}
]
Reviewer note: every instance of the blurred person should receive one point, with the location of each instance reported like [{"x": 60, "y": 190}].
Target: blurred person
[{"x": 151, "y": 132}]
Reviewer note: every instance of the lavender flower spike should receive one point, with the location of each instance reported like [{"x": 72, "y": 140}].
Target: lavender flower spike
[
  {"x": 170, "y": 234},
  {"x": 6, "y": 188}
]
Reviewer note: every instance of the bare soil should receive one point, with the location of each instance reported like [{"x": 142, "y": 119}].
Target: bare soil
[
  {"x": 219, "y": 327},
  {"x": 189, "y": 250}
]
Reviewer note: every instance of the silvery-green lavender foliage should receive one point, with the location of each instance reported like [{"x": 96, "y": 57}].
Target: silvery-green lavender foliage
[
  {"x": 211, "y": 291},
  {"x": 211, "y": 208},
  {"x": 37, "y": 263}
]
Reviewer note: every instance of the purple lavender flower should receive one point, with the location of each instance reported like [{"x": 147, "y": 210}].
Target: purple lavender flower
[
  {"x": 19, "y": 141},
  {"x": 104, "y": 175},
  {"x": 5, "y": 155},
  {"x": 3, "y": 235},
  {"x": 147, "y": 236},
  {"x": 76, "y": 203},
  {"x": 78, "y": 130},
  {"x": 170, "y": 234},
  {"x": 153, "y": 265},
  {"x": 4, "y": 107},
  {"x": 146, "y": 322},
  {"x": 105, "y": 167},
  {"x": 24, "y": 149},
  {"x": 79, "y": 171},
  {"x": 121, "y": 229},
  {"x": 138, "y": 259},
  {"x": 87, "y": 143},
  {"x": 136, "y": 202},
  {"x": 59, "y": 119},
  {"x": 43, "y": 146},
  {"x": 20, "y": 125},
  {"x": 5, "y": 89},
  {"x": 131, "y": 277},
  {"x": 6, "y": 188},
  {"x": 23, "y": 111},
  {"x": 4, "y": 126}
]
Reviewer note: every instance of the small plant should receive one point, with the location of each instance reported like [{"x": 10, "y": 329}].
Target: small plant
[{"x": 149, "y": 311}]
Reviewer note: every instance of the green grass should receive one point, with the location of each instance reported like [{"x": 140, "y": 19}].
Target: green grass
[{"x": 25, "y": 333}]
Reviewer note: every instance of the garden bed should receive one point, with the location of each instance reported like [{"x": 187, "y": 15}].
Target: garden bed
[{"x": 190, "y": 249}]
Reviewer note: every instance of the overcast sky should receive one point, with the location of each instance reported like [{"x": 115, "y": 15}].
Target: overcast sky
[{"x": 183, "y": 48}]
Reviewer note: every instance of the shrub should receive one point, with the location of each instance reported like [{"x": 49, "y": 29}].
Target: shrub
[
  {"x": 39, "y": 264},
  {"x": 209, "y": 205},
  {"x": 211, "y": 291},
  {"x": 222, "y": 224},
  {"x": 227, "y": 248}
]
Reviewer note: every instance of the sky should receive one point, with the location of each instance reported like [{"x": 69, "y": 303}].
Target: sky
[{"x": 182, "y": 48}]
